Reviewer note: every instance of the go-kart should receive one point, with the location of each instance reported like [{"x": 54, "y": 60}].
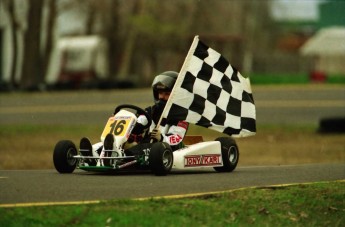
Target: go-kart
[{"x": 117, "y": 152}]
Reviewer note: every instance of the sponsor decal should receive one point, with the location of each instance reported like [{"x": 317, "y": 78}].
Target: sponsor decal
[
  {"x": 175, "y": 139},
  {"x": 183, "y": 124},
  {"x": 202, "y": 160},
  {"x": 129, "y": 130},
  {"x": 119, "y": 126},
  {"x": 122, "y": 117}
]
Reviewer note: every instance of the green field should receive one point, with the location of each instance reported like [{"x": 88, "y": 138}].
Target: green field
[{"x": 318, "y": 204}]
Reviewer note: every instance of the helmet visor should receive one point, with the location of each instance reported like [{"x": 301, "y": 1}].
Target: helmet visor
[{"x": 164, "y": 80}]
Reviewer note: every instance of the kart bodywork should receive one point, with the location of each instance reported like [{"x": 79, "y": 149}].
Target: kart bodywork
[{"x": 104, "y": 156}]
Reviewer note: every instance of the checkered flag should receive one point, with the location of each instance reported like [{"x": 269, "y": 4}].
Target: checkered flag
[{"x": 209, "y": 92}]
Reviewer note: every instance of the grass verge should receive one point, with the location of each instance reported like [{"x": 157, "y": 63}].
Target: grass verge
[
  {"x": 31, "y": 146},
  {"x": 318, "y": 204}
]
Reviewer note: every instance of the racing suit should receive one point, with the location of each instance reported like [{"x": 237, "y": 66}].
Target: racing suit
[{"x": 172, "y": 132}]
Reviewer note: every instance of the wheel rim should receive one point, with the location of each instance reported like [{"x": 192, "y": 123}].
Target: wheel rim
[
  {"x": 167, "y": 159},
  {"x": 232, "y": 154},
  {"x": 70, "y": 156}
]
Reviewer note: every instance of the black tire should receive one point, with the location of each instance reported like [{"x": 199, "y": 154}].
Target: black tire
[
  {"x": 230, "y": 154},
  {"x": 161, "y": 159},
  {"x": 63, "y": 156},
  {"x": 332, "y": 125}
]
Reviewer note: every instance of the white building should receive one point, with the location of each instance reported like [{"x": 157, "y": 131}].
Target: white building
[
  {"x": 327, "y": 47},
  {"x": 75, "y": 55}
]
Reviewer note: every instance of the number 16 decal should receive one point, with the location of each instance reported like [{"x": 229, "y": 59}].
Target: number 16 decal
[{"x": 117, "y": 127}]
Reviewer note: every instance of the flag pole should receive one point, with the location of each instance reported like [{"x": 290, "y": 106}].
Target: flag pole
[{"x": 180, "y": 77}]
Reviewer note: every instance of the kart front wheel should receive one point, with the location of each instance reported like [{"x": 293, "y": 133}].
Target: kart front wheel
[
  {"x": 230, "y": 154},
  {"x": 161, "y": 159},
  {"x": 64, "y": 161}
]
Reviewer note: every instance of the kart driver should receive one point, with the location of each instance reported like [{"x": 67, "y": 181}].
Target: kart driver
[{"x": 171, "y": 132}]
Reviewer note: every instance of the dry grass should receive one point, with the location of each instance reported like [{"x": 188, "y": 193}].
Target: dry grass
[
  {"x": 288, "y": 145},
  {"x": 285, "y": 148},
  {"x": 31, "y": 147}
]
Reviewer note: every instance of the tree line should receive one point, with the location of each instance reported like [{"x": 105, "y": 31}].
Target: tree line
[{"x": 144, "y": 37}]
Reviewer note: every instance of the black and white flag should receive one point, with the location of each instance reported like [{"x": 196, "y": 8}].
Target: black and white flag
[{"x": 209, "y": 92}]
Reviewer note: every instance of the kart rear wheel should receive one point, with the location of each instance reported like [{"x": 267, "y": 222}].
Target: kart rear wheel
[
  {"x": 230, "y": 154},
  {"x": 63, "y": 156},
  {"x": 161, "y": 159}
]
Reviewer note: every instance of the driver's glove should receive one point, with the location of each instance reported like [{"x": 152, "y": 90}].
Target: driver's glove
[{"x": 156, "y": 135}]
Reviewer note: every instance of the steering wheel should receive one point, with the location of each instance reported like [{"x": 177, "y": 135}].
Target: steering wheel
[{"x": 138, "y": 110}]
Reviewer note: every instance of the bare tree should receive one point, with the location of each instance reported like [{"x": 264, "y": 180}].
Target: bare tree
[
  {"x": 111, "y": 32},
  {"x": 50, "y": 26},
  {"x": 93, "y": 7},
  {"x": 132, "y": 34},
  {"x": 36, "y": 57},
  {"x": 14, "y": 26},
  {"x": 146, "y": 36},
  {"x": 32, "y": 65}
]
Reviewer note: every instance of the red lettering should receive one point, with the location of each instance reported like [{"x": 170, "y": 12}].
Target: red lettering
[
  {"x": 189, "y": 161},
  {"x": 198, "y": 160},
  {"x": 175, "y": 139},
  {"x": 206, "y": 160},
  {"x": 216, "y": 160},
  {"x": 202, "y": 160},
  {"x": 172, "y": 140},
  {"x": 211, "y": 159},
  {"x": 183, "y": 124}
]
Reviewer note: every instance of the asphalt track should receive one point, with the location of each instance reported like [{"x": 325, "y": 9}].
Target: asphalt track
[
  {"x": 302, "y": 104},
  {"x": 281, "y": 105},
  {"x": 44, "y": 187}
]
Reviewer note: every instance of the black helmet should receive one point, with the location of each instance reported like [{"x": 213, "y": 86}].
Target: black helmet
[{"x": 163, "y": 82}]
